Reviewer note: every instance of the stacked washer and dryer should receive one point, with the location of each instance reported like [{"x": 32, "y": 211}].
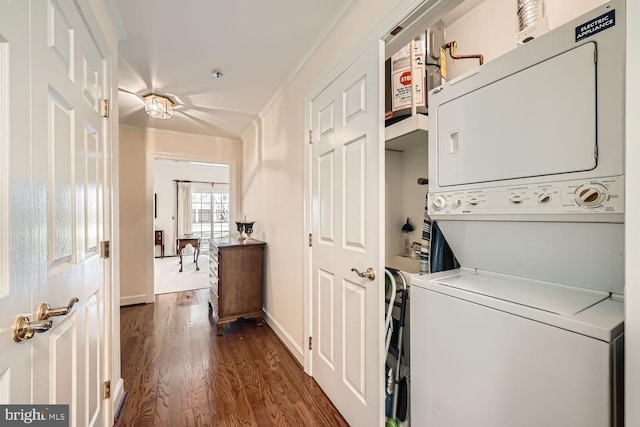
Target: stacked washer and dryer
[{"x": 526, "y": 175}]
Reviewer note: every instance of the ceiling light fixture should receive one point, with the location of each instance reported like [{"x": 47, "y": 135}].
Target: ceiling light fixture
[{"x": 158, "y": 106}]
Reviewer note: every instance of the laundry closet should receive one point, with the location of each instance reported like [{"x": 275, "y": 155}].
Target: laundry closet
[{"x": 476, "y": 196}]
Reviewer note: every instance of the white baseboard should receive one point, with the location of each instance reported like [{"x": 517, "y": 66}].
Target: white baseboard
[
  {"x": 284, "y": 336},
  {"x": 118, "y": 397},
  {"x": 134, "y": 299}
]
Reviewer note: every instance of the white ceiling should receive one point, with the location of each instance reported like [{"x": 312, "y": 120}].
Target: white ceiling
[{"x": 171, "y": 48}]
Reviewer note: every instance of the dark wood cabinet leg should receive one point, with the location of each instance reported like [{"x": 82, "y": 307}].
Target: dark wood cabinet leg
[
  {"x": 196, "y": 254},
  {"x": 259, "y": 321},
  {"x": 219, "y": 329}
]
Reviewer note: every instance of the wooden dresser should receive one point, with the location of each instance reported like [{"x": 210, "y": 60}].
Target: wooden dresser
[{"x": 235, "y": 277}]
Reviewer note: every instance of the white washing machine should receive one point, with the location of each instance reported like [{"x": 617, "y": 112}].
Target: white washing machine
[
  {"x": 499, "y": 351},
  {"x": 526, "y": 181}
]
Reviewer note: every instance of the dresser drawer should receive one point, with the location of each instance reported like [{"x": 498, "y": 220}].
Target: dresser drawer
[
  {"x": 213, "y": 253},
  {"x": 214, "y": 301},
  {"x": 213, "y": 268},
  {"x": 213, "y": 282}
]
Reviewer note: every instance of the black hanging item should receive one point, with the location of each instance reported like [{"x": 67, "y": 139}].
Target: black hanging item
[{"x": 442, "y": 257}]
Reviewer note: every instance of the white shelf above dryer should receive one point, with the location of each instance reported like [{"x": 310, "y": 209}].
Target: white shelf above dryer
[{"x": 407, "y": 133}]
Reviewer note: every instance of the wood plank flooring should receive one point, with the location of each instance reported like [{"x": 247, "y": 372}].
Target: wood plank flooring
[{"x": 177, "y": 372}]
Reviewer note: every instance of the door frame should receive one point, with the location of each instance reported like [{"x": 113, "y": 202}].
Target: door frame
[
  {"x": 150, "y": 156},
  {"x": 411, "y": 15},
  {"x": 111, "y": 342}
]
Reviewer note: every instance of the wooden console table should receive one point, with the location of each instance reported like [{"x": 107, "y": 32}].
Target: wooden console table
[
  {"x": 182, "y": 242},
  {"x": 235, "y": 277}
]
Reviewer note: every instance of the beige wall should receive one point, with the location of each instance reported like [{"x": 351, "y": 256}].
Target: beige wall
[
  {"x": 138, "y": 149},
  {"x": 491, "y": 28},
  {"x": 273, "y": 185}
]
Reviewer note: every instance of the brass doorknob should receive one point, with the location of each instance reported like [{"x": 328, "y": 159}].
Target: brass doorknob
[
  {"x": 23, "y": 329},
  {"x": 45, "y": 311}
]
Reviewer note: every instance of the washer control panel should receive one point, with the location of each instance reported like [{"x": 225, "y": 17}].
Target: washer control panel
[{"x": 603, "y": 195}]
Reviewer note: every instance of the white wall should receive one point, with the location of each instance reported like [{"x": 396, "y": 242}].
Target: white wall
[
  {"x": 164, "y": 187},
  {"x": 394, "y": 203},
  {"x": 415, "y": 165},
  {"x": 404, "y": 198},
  {"x": 138, "y": 149}
]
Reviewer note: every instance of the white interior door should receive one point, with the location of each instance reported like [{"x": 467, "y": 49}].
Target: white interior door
[
  {"x": 16, "y": 217},
  {"x": 347, "y": 208},
  {"x": 67, "y": 89},
  {"x": 56, "y": 211}
]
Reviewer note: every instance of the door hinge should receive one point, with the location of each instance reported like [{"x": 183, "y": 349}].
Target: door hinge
[
  {"x": 105, "y": 249},
  {"x": 310, "y": 239},
  {"x": 104, "y": 107},
  {"x": 310, "y": 343},
  {"x": 106, "y": 390},
  {"x": 310, "y": 136}
]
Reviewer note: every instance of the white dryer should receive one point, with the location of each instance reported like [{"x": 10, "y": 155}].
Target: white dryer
[{"x": 526, "y": 181}]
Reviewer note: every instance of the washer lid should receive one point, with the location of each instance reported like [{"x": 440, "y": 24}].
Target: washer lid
[{"x": 558, "y": 299}]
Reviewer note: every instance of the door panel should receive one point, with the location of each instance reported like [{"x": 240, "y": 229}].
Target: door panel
[
  {"x": 354, "y": 219},
  {"x": 326, "y": 185},
  {"x": 326, "y": 330},
  {"x": 354, "y": 318},
  {"x": 63, "y": 384},
  {"x": 68, "y": 84},
  {"x": 15, "y": 194},
  {"x": 61, "y": 235},
  {"x": 347, "y": 318},
  {"x": 92, "y": 364}
]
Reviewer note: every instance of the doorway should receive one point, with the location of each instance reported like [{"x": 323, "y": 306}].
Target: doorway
[{"x": 191, "y": 200}]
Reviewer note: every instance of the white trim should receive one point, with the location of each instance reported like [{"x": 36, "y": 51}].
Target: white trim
[
  {"x": 284, "y": 336},
  {"x": 5, "y": 113},
  {"x": 306, "y": 249},
  {"x": 116, "y": 19},
  {"x": 133, "y": 299},
  {"x": 117, "y": 396},
  {"x": 252, "y": 126}
]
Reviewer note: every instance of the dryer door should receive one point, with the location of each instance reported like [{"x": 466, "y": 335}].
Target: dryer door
[{"x": 541, "y": 121}]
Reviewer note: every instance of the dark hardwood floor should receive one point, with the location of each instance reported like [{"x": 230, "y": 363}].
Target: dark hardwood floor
[{"x": 177, "y": 372}]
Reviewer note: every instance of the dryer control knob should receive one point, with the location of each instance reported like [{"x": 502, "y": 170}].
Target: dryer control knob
[
  {"x": 591, "y": 195},
  {"x": 544, "y": 198},
  {"x": 439, "y": 203},
  {"x": 457, "y": 202},
  {"x": 517, "y": 199},
  {"x": 474, "y": 201}
]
